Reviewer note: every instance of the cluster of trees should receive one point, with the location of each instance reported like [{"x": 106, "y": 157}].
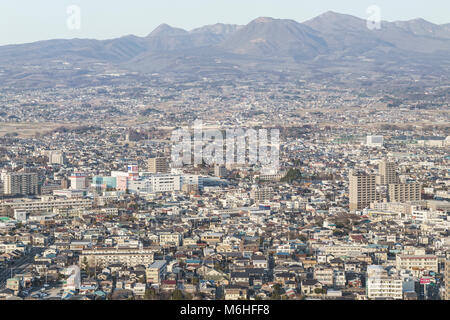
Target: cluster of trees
[
  {"x": 292, "y": 175},
  {"x": 79, "y": 129},
  {"x": 148, "y": 111},
  {"x": 153, "y": 294}
]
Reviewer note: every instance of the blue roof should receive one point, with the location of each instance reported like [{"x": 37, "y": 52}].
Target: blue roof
[{"x": 193, "y": 261}]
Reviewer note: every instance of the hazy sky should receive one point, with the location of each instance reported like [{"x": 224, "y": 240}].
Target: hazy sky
[{"x": 31, "y": 20}]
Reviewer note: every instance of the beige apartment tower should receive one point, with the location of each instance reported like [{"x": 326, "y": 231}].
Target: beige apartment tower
[
  {"x": 447, "y": 280},
  {"x": 158, "y": 165},
  {"x": 404, "y": 192},
  {"x": 388, "y": 172},
  {"x": 362, "y": 190}
]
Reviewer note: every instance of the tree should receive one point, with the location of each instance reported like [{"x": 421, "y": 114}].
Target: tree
[
  {"x": 219, "y": 267},
  {"x": 177, "y": 295},
  {"x": 318, "y": 291},
  {"x": 150, "y": 294},
  {"x": 338, "y": 233},
  {"x": 277, "y": 291},
  {"x": 85, "y": 266},
  {"x": 292, "y": 175}
]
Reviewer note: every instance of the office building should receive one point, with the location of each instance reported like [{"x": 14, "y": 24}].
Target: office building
[
  {"x": 220, "y": 171},
  {"x": 158, "y": 165},
  {"x": 77, "y": 181},
  {"x": 104, "y": 183}
]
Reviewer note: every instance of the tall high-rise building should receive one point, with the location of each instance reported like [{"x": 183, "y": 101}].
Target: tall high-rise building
[
  {"x": 220, "y": 170},
  {"x": 447, "y": 280},
  {"x": 388, "y": 172},
  {"x": 55, "y": 157},
  {"x": 403, "y": 192},
  {"x": 77, "y": 181},
  {"x": 362, "y": 190},
  {"x": 25, "y": 183},
  {"x": 381, "y": 285},
  {"x": 158, "y": 165}
]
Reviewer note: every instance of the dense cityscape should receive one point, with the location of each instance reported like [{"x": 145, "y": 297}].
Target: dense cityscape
[
  {"x": 95, "y": 204},
  {"x": 95, "y": 208}
]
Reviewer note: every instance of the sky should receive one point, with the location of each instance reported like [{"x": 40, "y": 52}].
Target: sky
[{"x": 23, "y": 21}]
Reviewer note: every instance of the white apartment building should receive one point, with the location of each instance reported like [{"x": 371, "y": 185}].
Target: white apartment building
[
  {"x": 339, "y": 250},
  {"x": 169, "y": 238},
  {"x": 155, "y": 183},
  {"x": 417, "y": 263},
  {"x": 47, "y": 204},
  {"x": 375, "y": 141},
  {"x": 384, "y": 287},
  {"x": 77, "y": 181},
  {"x": 381, "y": 285},
  {"x": 155, "y": 272},
  {"x": 324, "y": 276},
  {"x": 55, "y": 157},
  {"x": 339, "y": 278},
  {"x": 128, "y": 256}
]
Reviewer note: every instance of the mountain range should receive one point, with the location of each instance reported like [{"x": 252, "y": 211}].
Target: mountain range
[{"x": 331, "y": 39}]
